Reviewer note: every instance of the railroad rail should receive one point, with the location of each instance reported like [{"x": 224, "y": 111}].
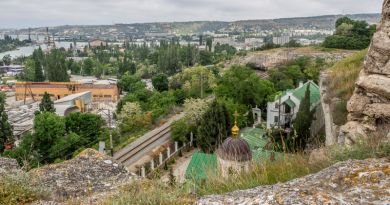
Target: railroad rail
[{"x": 146, "y": 144}]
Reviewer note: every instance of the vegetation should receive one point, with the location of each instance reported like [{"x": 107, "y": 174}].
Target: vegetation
[
  {"x": 6, "y": 135},
  {"x": 302, "y": 123},
  {"x": 341, "y": 84},
  {"x": 350, "y": 34},
  {"x": 213, "y": 128},
  {"x": 46, "y": 105},
  {"x": 18, "y": 189},
  {"x": 57, "y": 138},
  {"x": 8, "y": 44},
  {"x": 286, "y": 168},
  {"x": 160, "y": 82}
]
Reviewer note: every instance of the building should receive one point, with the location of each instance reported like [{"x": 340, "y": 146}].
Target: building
[
  {"x": 97, "y": 43},
  {"x": 253, "y": 43},
  {"x": 234, "y": 155},
  {"x": 283, "y": 110},
  {"x": 59, "y": 90},
  {"x": 11, "y": 70},
  {"x": 79, "y": 102},
  {"x": 281, "y": 40}
]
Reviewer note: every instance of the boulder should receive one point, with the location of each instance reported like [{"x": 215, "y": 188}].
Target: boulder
[
  {"x": 8, "y": 166},
  {"x": 350, "y": 182},
  {"x": 88, "y": 173}
]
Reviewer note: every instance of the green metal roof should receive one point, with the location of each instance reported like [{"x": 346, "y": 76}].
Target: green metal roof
[
  {"x": 290, "y": 103},
  {"x": 201, "y": 165},
  {"x": 314, "y": 92},
  {"x": 255, "y": 137}
]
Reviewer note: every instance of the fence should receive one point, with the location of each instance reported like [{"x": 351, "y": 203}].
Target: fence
[{"x": 171, "y": 150}]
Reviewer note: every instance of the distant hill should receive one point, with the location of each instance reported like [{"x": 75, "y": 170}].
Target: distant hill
[{"x": 196, "y": 27}]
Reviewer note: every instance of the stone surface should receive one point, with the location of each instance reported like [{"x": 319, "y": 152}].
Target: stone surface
[
  {"x": 369, "y": 105},
  {"x": 8, "y": 166},
  {"x": 88, "y": 173},
  {"x": 350, "y": 182}
]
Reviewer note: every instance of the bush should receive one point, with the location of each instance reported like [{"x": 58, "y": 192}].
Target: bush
[
  {"x": 179, "y": 130},
  {"x": 160, "y": 82},
  {"x": 18, "y": 189}
]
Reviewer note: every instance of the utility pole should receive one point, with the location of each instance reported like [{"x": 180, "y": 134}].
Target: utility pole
[{"x": 110, "y": 129}]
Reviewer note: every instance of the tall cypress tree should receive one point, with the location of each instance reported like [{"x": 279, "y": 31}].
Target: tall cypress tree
[
  {"x": 6, "y": 134},
  {"x": 47, "y": 105},
  {"x": 303, "y": 122},
  {"x": 213, "y": 128},
  {"x": 38, "y": 62}
]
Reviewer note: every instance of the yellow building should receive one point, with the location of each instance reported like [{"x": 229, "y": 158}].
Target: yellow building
[{"x": 58, "y": 90}]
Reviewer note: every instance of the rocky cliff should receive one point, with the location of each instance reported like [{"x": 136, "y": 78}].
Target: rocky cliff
[
  {"x": 369, "y": 107},
  {"x": 350, "y": 182}
]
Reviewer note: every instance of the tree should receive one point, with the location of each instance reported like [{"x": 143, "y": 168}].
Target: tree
[
  {"x": 6, "y": 135},
  {"x": 86, "y": 125},
  {"x": 213, "y": 128},
  {"x": 243, "y": 86},
  {"x": 38, "y": 58},
  {"x": 46, "y": 105},
  {"x": 132, "y": 118},
  {"x": 302, "y": 122},
  {"x": 179, "y": 130},
  {"x": 56, "y": 67},
  {"x": 160, "y": 82},
  {"x": 131, "y": 83},
  {"x": 7, "y": 59},
  {"x": 88, "y": 66}
]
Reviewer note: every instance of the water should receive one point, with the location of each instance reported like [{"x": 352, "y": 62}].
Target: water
[{"x": 28, "y": 50}]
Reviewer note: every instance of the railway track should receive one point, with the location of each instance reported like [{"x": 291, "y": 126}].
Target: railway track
[{"x": 146, "y": 144}]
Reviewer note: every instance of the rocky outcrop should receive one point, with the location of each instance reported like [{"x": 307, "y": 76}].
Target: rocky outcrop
[
  {"x": 350, "y": 182},
  {"x": 8, "y": 166},
  {"x": 369, "y": 107},
  {"x": 87, "y": 174}
]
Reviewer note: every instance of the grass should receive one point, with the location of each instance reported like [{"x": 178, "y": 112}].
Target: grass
[
  {"x": 343, "y": 75},
  {"x": 267, "y": 173},
  {"x": 18, "y": 189}
]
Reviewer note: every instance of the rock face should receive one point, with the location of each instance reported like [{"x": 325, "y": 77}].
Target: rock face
[
  {"x": 369, "y": 107},
  {"x": 8, "y": 166},
  {"x": 89, "y": 173},
  {"x": 350, "y": 182}
]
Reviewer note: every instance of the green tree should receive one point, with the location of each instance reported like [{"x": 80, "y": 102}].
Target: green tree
[
  {"x": 213, "y": 128},
  {"x": 243, "y": 86},
  {"x": 56, "y": 67},
  {"x": 7, "y": 59},
  {"x": 160, "y": 82},
  {"x": 88, "y": 66},
  {"x": 179, "y": 130},
  {"x": 86, "y": 125},
  {"x": 38, "y": 58},
  {"x": 46, "y": 105},
  {"x": 131, "y": 83},
  {"x": 303, "y": 122},
  {"x": 6, "y": 134}
]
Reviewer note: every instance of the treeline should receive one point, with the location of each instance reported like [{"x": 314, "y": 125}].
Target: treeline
[
  {"x": 350, "y": 34},
  {"x": 8, "y": 43}
]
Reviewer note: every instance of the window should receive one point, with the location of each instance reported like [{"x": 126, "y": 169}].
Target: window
[
  {"x": 276, "y": 105},
  {"x": 276, "y": 119}
]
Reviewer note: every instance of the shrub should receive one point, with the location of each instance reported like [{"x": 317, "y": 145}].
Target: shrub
[
  {"x": 18, "y": 189},
  {"x": 179, "y": 130}
]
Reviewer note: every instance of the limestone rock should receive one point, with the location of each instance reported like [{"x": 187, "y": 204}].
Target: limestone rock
[
  {"x": 369, "y": 105},
  {"x": 88, "y": 173},
  {"x": 350, "y": 182},
  {"x": 8, "y": 166}
]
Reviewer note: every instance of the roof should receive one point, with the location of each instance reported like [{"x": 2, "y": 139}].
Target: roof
[
  {"x": 71, "y": 97},
  {"x": 201, "y": 165},
  {"x": 290, "y": 103},
  {"x": 314, "y": 92},
  {"x": 255, "y": 137},
  {"x": 235, "y": 149},
  {"x": 63, "y": 110}
]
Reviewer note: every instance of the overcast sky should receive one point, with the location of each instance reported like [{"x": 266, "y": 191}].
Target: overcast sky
[{"x": 34, "y": 13}]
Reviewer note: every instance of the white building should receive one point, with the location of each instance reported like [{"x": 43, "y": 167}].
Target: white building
[
  {"x": 283, "y": 110},
  {"x": 281, "y": 40}
]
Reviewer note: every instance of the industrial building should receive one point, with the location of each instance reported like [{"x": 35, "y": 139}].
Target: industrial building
[
  {"x": 59, "y": 90},
  {"x": 79, "y": 102}
]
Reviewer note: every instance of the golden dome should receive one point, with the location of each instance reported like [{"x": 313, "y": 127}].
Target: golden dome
[{"x": 235, "y": 128}]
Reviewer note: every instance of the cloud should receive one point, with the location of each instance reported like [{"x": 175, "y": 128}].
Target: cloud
[{"x": 32, "y": 13}]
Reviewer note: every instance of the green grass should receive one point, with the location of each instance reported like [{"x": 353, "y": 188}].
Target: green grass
[{"x": 18, "y": 189}]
